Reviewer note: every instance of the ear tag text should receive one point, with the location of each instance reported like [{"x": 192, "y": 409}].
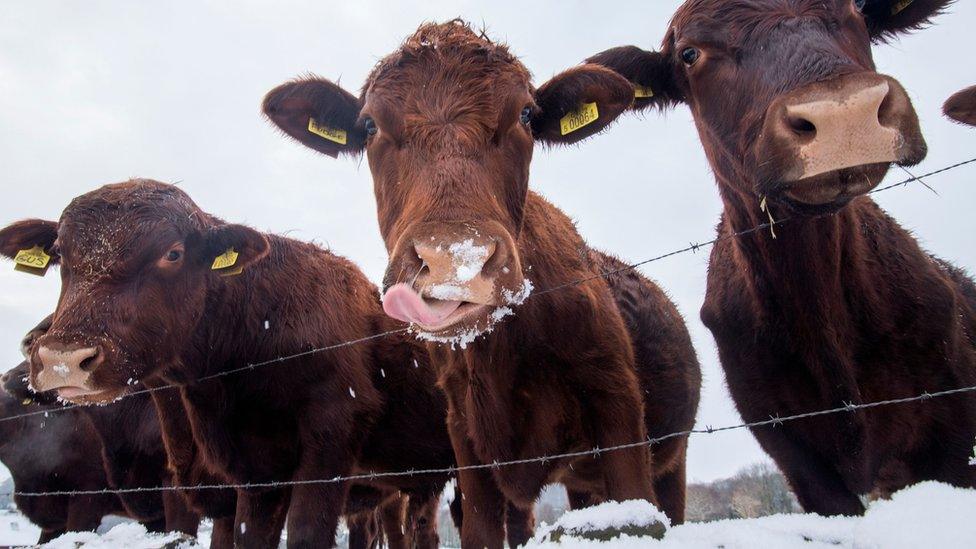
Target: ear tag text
[
  {"x": 225, "y": 260},
  {"x": 641, "y": 92},
  {"x": 34, "y": 261},
  {"x": 586, "y": 114},
  {"x": 900, "y": 6},
  {"x": 332, "y": 134}
]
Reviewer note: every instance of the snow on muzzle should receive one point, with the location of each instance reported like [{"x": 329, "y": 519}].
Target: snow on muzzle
[{"x": 452, "y": 276}]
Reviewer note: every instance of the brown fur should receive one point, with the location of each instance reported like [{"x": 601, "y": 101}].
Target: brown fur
[
  {"x": 961, "y": 107},
  {"x": 840, "y": 308},
  {"x": 352, "y": 409},
  {"x": 54, "y": 452},
  {"x": 560, "y": 375}
]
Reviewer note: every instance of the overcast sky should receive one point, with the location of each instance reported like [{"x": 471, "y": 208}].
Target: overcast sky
[{"x": 97, "y": 92}]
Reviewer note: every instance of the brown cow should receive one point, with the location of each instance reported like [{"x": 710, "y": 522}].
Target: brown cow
[
  {"x": 961, "y": 107},
  {"x": 448, "y": 124},
  {"x": 54, "y": 452},
  {"x": 131, "y": 449},
  {"x": 156, "y": 290},
  {"x": 840, "y": 304}
]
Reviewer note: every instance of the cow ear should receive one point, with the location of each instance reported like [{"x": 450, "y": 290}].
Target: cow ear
[
  {"x": 578, "y": 103},
  {"x": 28, "y": 234},
  {"x": 888, "y": 18},
  {"x": 229, "y": 249},
  {"x": 318, "y": 114},
  {"x": 650, "y": 72},
  {"x": 961, "y": 107}
]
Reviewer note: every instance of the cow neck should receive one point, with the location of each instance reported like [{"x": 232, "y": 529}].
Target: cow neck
[
  {"x": 229, "y": 333},
  {"x": 811, "y": 274}
]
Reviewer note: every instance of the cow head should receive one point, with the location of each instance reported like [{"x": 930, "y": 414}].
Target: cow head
[
  {"x": 785, "y": 94},
  {"x": 961, "y": 107},
  {"x": 137, "y": 261},
  {"x": 448, "y": 124}
]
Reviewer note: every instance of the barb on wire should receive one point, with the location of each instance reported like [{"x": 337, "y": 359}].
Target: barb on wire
[
  {"x": 694, "y": 247},
  {"x": 774, "y": 420}
]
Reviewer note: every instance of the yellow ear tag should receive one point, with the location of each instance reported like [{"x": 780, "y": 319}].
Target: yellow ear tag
[
  {"x": 586, "y": 114},
  {"x": 642, "y": 91},
  {"x": 33, "y": 261},
  {"x": 225, "y": 260},
  {"x": 900, "y": 6},
  {"x": 26, "y": 401},
  {"x": 232, "y": 272},
  {"x": 332, "y": 134}
]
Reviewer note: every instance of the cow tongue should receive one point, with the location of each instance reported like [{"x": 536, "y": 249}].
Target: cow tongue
[{"x": 402, "y": 302}]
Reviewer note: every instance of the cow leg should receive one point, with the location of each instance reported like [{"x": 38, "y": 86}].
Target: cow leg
[
  {"x": 179, "y": 516},
  {"x": 50, "y": 534},
  {"x": 616, "y": 417},
  {"x": 670, "y": 489},
  {"x": 364, "y": 533},
  {"x": 817, "y": 485},
  {"x": 580, "y": 500},
  {"x": 519, "y": 525},
  {"x": 256, "y": 524},
  {"x": 391, "y": 520},
  {"x": 222, "y": 536},
  {"x": 156, "y": 526},
  {"x": 422, "y": 514},
  {"x": 482, "y": 503},
  {"x": 85, "y": 513}
]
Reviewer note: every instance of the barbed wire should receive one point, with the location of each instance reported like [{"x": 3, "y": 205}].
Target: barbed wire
[
  {"x": 694, "y": 247},
  {"x": 774, "y": 421}
]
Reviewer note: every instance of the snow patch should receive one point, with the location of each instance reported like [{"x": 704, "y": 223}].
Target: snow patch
[
  {"x": 130, "y": 535},
  {"x": 61, "y": 369},
  {"x": 468, "y": 259},
  {"x": 465, "y": 337},
  {"x": 929, "y": 514}
]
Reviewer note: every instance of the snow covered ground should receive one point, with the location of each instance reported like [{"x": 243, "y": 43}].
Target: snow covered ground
[{"x": 929, "y": 514}]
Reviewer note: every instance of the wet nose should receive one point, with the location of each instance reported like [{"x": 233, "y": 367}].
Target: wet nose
[
  {"x": 461, "y": 261},
  {"x": 848, "y": 122},
  {"x": 63, "y": 361}
]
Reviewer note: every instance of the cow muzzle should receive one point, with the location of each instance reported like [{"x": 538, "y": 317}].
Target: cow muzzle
[
  {"x": 836, "y": 139},
  {"x": 448, "y": 279},
  {"x": 68, "y": 369}
]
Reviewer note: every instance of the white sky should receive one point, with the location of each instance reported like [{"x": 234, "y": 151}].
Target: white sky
[{"x": 97, "y": 92}]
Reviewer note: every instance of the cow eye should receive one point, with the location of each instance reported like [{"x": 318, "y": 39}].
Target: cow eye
[
  {"x": 370, "y": 125},
  {"x": 174, "y": 255},
  {"x": 859, "y": 4},
  {"x": 690, "y": 56},
  {"x": 526, "y": 116}
]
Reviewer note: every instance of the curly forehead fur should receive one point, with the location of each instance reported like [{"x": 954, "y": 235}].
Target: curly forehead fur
[
  {"x": 453, "y": 46},
  {"x": 141, "y": 201}
]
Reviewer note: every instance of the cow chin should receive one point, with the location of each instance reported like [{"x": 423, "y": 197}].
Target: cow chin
[
  {"x": 84, "y": 396},
  {"x": 825, "y": 193}
]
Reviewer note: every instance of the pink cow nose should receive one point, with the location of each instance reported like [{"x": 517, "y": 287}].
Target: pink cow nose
[
  {"x": 84, "y": 358},
  {"x": 66, "y": 366}
]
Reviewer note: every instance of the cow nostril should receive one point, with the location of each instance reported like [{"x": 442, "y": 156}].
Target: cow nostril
[
  {"x": 88, "y": 364},
  {"x": 801, "y": 126}
]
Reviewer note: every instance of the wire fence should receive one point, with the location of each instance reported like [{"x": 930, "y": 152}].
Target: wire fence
[
  {"x": 694, "y": 247},
  {"x": 773, "y": 421}
]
